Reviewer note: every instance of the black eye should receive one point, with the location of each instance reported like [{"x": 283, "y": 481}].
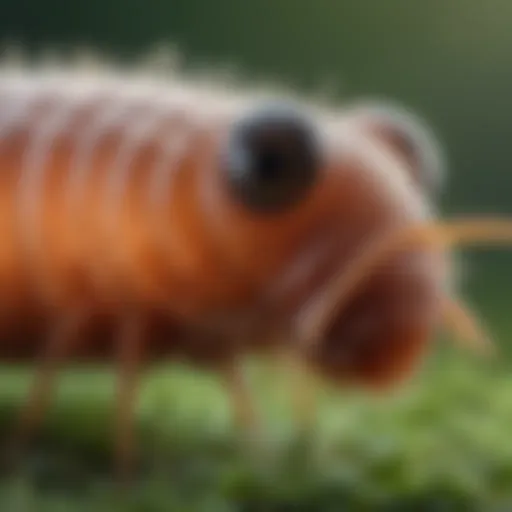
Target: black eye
[{"x": 272, "y": 159}]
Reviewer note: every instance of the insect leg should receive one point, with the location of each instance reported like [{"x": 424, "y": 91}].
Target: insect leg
[
  {"x": 60, "y": 341},
  {"x": 244, "y": 410},
  {"x": 303, "y": 389},
  {"x": 129, "y": 346},
  {"x": 301, "y": 383}
]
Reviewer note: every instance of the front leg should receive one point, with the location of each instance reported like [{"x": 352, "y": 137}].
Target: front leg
[
  {"x": 303, "y": 391},
  {"x": 243, "y": 407}
]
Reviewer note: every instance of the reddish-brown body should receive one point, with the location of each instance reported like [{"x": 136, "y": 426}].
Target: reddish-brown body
[
  {"x": 123, "y": 238},
  {"x": 113, "y": 204}
]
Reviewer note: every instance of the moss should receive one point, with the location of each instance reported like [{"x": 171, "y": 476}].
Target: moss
[{"x": 440, "y": 443}]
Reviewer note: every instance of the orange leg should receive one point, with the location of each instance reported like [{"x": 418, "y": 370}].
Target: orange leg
[
  {"x": 60, "y": 341},
  {"x": 304, "y": 389},
  {"x": 244, "y": 411},
  {"x": 129, "y": 344},
  {"x": 245, "y": 415},
  {"x": 303, "y": 392}
]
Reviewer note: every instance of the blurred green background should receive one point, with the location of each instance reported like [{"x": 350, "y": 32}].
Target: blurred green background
[{"x": 444, "y": 441}]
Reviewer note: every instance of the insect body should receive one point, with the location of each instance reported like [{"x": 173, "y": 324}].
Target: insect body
[{"x": 147, "y": 219}]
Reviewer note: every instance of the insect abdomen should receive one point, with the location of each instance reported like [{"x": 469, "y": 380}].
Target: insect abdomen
[{"x": 74, "y": 194}]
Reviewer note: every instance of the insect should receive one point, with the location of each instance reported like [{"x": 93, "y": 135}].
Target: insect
[{"x": 146, "y": 218}]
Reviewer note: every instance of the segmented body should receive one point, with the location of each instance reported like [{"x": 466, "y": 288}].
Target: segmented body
[
  {"x": 96, "y": 185},
  {"x": 120, "y": 233},
  {"x": 112, "y": 202}
]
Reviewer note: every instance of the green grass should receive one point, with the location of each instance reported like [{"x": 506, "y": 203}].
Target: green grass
[{"x": 442, "y": 441}]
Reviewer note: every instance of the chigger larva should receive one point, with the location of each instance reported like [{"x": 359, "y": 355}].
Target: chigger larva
[{"x": 145, "y": 217}]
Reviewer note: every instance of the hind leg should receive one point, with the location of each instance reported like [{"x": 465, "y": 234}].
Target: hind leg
[
  {"x": 59, "y": 343},
  {"x": 129, "y": 346}
]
